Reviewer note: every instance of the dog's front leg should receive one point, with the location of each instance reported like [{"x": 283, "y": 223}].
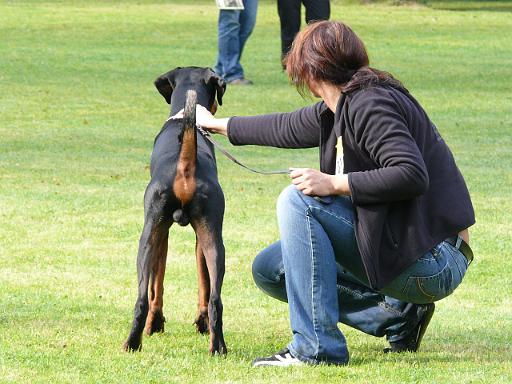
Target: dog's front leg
[{"x": 210, "y": 240}]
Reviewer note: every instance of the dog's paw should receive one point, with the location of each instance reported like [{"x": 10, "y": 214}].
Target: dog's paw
[
  {"x": 218, "y": 348},
  {"x": 132, "y": 346},
  {"x": 202, "y": 323},
  {"x": 155, "y": 323}
]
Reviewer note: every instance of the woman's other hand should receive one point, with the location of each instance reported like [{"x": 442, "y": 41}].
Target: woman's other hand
[{"x": 315, "y": 183}]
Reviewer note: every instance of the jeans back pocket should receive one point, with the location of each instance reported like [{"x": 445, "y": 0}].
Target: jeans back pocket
[{"x": 436, "y": 285}]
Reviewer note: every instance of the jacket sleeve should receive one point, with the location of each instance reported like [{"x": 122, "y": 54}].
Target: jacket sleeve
[
  {"x": 298, "y": 129},
  {"x": 381, "y": 131}
]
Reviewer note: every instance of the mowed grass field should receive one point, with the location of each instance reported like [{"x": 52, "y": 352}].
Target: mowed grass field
[{"x": 78, "y": 115}]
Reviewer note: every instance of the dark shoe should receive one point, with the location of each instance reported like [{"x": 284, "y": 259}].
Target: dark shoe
[
  {"x": 411, "y": 343},
  {"x": 242, "y": 81},
  {"x": 283, "y": 358}
]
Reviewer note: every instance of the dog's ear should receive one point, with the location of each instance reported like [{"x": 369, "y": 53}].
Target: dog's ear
[
  {"x": 218, "y": 82},
  {"x": 165, "y": 84}
]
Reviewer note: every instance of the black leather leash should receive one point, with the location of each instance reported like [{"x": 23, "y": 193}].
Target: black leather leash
[{"x": 209, "y": 137}]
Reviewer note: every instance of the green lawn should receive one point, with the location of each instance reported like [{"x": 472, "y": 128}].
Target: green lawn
[{"x": 78, "y": 117}]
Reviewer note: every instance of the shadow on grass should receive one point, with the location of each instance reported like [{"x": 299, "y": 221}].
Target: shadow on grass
[
  {"x": 452, "y": 5},
  {"x": 471, "y": 5}
]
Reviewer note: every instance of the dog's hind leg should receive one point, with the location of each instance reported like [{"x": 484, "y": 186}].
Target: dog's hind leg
[
  {"x": 210, "y": 240},
  {"x": 152, "y": 244},
  {"x": 201, "y": 320},
  {"x": 155, "y": 320}
]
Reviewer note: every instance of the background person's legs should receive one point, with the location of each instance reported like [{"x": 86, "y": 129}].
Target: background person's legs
[
  {"x": 247, "y": 22},
  {"x": 228, "y": 59},
  {"x": 289, "y": 17},
  {"x": 317, "y": 10}
]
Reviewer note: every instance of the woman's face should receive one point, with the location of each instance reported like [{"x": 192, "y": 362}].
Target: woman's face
[{"x": 314, "y": 87}]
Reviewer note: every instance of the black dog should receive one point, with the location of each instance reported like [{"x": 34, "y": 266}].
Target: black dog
[{"x": 183, "y": 189}]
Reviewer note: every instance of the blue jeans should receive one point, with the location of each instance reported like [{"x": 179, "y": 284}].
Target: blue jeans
[
  {"x": 325, "y": 280},
  {"x": 235, "y": 26}
]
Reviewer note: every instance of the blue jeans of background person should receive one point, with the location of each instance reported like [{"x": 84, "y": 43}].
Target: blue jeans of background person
[
  {"x": 325, "y": 280},
  {"x": 235, "y": 26}
]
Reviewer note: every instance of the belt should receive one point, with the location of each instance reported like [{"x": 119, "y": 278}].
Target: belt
[{"x": 462, "y": 246}]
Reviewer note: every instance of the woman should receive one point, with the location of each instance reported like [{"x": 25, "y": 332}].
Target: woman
[{"x": 382, "y": 224}]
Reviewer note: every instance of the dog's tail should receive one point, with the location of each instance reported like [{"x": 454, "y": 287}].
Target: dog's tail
[{"x": 185, "y": 182}]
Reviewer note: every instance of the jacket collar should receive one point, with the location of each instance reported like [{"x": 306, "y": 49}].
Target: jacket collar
[{"x": 338, "y": 115}]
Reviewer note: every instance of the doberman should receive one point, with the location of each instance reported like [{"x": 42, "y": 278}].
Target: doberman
[{"x": 183, "y": 189}]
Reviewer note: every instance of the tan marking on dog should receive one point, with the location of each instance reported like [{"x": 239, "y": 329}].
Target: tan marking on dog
[
  {"x": 185, "y": 183},
  {"x": 213, "y": 109}
]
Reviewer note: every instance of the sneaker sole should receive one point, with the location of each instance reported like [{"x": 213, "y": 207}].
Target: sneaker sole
[{"x": 276, "y": 364}]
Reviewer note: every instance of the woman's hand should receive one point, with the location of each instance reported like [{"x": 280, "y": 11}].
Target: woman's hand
[
  {"x": 206, "y": 120},
  {"x": 315, "y": 183}
]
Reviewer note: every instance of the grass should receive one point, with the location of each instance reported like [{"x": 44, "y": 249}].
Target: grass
[{"x": 78, "y": 117}]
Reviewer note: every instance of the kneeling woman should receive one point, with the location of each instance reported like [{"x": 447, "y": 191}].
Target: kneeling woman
[{"x": 379, "y": 233}]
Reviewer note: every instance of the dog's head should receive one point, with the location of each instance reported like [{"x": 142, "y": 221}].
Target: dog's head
[{"x": 204, "y": 80}]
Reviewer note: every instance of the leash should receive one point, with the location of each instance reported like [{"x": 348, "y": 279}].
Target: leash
[{"x": 209, "y": 137}]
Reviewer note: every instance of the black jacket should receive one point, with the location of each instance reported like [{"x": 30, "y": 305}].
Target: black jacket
[{"x": 407, "y": 191}]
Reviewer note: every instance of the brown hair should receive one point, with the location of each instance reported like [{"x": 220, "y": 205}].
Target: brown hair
[{"x": 330, "y": 51}]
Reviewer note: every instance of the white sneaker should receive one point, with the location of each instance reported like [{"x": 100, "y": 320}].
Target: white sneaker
[{"x": 283, "y": 358}]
